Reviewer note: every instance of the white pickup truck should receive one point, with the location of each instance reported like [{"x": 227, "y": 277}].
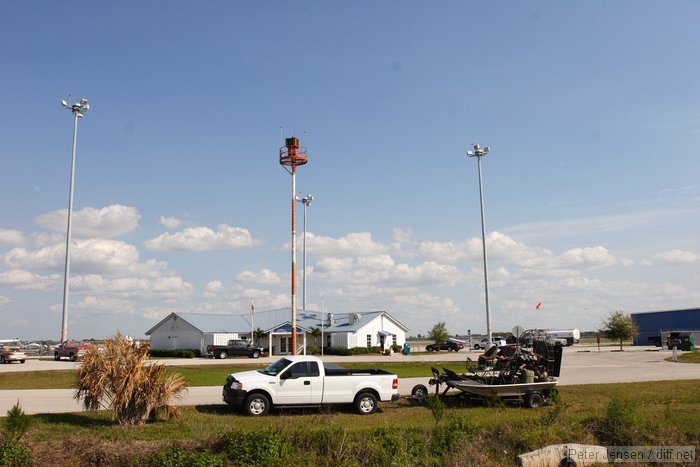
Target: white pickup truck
[{"x": 304, "y": 381}]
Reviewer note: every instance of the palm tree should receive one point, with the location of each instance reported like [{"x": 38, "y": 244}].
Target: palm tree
[
  {"x": 315, "y": 333},
  {"x": 117, "y": 378},
  {"x": 257, "y": 335}
]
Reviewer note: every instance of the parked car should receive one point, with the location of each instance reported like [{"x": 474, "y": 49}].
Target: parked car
[
  {"x": 451, "y": 346},
  {"x": 484, "y": 343},
  {"x": 9, "y": 355},
  {"x": 235, "y": 347},
  {"x": 305, "y": 381},
  {"x": 73, "y": 350}
]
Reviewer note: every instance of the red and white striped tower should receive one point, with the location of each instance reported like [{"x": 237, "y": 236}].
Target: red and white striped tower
[{"x": 293, "y": 155}]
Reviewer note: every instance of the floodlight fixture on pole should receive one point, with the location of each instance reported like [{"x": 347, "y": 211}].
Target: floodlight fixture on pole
[
  {"x": 306, "y": 201},
  {"x": 479, "y": 152},
  {"x": 293, "y": 155},
  {"x": 78, "y": 110}
]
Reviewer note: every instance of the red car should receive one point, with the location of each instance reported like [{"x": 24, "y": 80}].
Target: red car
[
  {"x": 451, "y": 346},
  {"x": 73, "y": 350}
]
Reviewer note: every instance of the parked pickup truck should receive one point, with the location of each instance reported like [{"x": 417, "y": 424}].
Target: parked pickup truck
[
  {"x": 305, "y": 381},
  {"x": 235, "y": 347},
  {"x": 73, "y": 350},
  {"x": 9, "y": 355}
]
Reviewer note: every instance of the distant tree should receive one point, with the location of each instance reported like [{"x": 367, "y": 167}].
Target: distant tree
[
  {"x": 316, "y": 334},
  {"x": 257, "y": 335},
  {"x": 619, "y": 326},
  {"x": 439, "y": 332}
]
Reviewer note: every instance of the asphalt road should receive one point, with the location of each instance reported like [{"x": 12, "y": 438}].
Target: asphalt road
[{"x": 580, "y": 365}]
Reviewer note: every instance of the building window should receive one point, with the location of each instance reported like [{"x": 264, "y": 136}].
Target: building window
[
  {"x": 393, "y": 339},
  {"x": 328, "y": 340},
  {"x": 369, "y": 340},
  {"x": 283, "y": 345}
]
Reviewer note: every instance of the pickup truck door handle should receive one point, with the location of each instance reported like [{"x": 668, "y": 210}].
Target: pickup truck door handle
[{"x": 306, "y": 383}]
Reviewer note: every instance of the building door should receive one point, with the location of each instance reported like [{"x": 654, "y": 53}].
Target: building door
[{"x": 285, "y": 345}]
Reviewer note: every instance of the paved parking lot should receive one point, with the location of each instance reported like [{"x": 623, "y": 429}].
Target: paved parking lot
[{"x": 580, "y": 365}]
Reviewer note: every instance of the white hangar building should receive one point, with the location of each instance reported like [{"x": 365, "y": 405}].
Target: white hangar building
[{"x": 197, "y": 330}]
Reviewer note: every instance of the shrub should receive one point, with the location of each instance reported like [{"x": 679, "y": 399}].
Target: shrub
[
  {"x": 395, "y": 446},
  {"x": 449, "y": 436},
  {"x": 365, "y": 350},
  {"x": 263, "y": 447},
  {"x": 16, "y": 423},
  {"x": 15, "y": 454},
  {"x": 117, "y": 375},
  {"x": 313, "y": 350},
  {"x": 437, "y": 407},
  {"x": 176, "y": 353},
  {"x": 336, "y": 351},
  {"x": 175, "y": 456},
  {"x": 619, "y": 425}
]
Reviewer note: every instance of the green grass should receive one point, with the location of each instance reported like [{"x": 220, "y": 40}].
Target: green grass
[
  {"x": 205, "y": 375},
  {"x": 688, "y": 357},
  {"x": 468, "y": 434}
]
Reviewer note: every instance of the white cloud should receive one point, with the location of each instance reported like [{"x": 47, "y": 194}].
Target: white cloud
[
  {"x": 202, "y": 239},
  {"x": 106, "y": 222},
  {"x": 93, "y": 304},
  {"x": 9, "y": 237},
  {"x": 140, "y": 288},
  {"x": 25, "y": 280},
  {"x": 213, "y": 288},
  {"x": 236, "y": 300},
  {"x": 42, "y": 239},
  {"x": 676, "y": 257},
  {"x": 356, "y": 243},
  {"x": 588, "y": 257},
  {"x": 583, "y": 226},
  {"x": 170, "y": 222},
  {"x": 264, "y": 276},
  {"x": 383, "y": 270},
  {"x": 88, "y": 256}
]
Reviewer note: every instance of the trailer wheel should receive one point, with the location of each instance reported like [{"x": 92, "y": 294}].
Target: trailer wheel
[
  {"x": 419, "y": 392},
  {"x": 366, "y": 403},
  {"x": 56, "y": 357},
  {"x": 534, "y": 399},
  {"x": 256, "y": 404}
]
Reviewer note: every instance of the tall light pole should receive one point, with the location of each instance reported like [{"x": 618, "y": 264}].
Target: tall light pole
[
  {"x": 306, "y": 200},
  {"x": 78, "y": 110},
  {"x": 479, "y": 153},
  {"x": 293, "y": 155}
]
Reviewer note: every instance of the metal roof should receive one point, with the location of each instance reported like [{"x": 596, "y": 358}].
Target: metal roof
[{"x": 272, "y": 319}]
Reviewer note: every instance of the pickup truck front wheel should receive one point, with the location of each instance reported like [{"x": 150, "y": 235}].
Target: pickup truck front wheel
[
  {"x": 256, "y": 404},
  {"x": 366, "y": 403},
  {"x": 256, "y": 354},
  {"x": 222, "y": 355}
]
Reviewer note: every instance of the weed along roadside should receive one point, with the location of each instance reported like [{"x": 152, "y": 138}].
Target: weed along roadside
[{"x": 402, "y": 433}]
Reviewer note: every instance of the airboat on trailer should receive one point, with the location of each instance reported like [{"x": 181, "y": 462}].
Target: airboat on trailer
[{"x": 523, "y": 372}]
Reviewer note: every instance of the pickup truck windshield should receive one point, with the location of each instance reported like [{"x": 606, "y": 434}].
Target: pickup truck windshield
[{"x": 276, "y": 367}]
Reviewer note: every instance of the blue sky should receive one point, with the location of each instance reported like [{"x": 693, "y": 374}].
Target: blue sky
[{"x": 592, "y": 112}]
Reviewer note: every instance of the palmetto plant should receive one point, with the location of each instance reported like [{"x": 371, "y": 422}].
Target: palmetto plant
[{"x": 117, "y": 378}]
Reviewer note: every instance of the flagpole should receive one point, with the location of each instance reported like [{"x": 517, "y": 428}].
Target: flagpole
[{"x": 252, "y": 320}]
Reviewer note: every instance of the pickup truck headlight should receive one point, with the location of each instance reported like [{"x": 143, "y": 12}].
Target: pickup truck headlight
[{"x": 236, "y": 385}]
